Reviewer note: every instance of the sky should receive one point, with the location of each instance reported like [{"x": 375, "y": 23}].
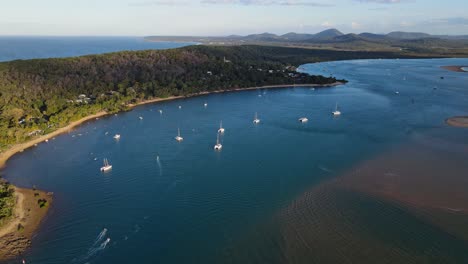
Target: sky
[{"x": 226, "y": 17}]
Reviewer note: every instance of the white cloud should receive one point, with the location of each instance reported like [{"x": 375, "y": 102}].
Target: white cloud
[
  {"x": 233, "y": 2},
  {"x": 406, "y": 24},
  {"x": 382, "y": 1},
  {"x": 355, "y": 25},
  {"x": 158, "y": 3},
  {"x": 266, "y": 2}
]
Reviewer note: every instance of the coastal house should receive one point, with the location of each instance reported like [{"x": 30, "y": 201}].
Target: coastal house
[
  {"x": 110, "y": 93},
  {"x": 35, "y": 133}
]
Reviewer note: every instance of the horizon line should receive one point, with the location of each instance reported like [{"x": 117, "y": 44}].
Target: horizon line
[{"x": 215, "y": 35}]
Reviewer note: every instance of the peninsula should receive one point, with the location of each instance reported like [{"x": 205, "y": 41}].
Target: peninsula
[
  {"x": 45, "y": 97},
  {"x": 42, "y": 98}
]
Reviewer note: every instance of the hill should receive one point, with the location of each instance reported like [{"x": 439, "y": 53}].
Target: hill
[
  {"x": 412, "y": 43},
  {"x": 328, "y": 34},
  {"x": 407, "y": 35}
]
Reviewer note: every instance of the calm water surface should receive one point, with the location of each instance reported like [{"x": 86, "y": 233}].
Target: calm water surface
[
  {"x": 265, "y": 197},
  {"x": 14, "y": 48}
]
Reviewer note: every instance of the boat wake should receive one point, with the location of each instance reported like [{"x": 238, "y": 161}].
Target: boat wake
[
  {"x": 159, "y": 165},
  {"x": 99, "y": 244},
  {"x": 100, "y": 237},
  {"x": 325, "y": 169}
]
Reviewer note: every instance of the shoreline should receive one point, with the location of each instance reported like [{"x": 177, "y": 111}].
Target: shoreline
[
  {"x": 27, "y": 212},
  {"x": 15, "y": 149},
  {"x": 28, "y": 215},
  {"x": 455, "y": 68}
]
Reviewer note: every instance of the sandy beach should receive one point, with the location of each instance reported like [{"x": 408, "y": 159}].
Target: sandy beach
[
  {"x": 455, "y": 68},
  {"x": 28, "y": 215}
]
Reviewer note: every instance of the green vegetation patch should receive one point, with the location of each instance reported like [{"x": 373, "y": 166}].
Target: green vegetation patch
[
  {"x": 42, "y": 95},
  {"x": 42, "y": 203},
  {"x": 7, "y": 201}
]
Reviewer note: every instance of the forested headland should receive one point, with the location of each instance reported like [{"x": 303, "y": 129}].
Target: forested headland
[
  {"x": 39, "y": 96},
  {"x": 42, "y": 95}
]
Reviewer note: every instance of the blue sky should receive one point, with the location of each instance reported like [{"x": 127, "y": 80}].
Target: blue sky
[{"x": 225, "y": 17}]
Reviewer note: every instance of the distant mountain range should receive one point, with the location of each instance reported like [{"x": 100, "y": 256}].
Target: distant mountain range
[
  {"x": 328, "y": 35},
  {"x": 334, "y": 34},
  {"x": 411, "y": 42}
]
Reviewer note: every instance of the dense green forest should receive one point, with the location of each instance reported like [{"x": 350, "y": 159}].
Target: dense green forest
[
  {"x": 6, "y": 201},
  {"x": 39, "y": 96}
]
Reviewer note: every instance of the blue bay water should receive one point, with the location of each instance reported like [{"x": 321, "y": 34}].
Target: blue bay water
[{"x": 195, "y": 205}]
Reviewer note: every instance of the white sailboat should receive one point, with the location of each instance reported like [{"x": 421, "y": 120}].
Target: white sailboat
[
  {"x": 205, "y": 105},
  {"x": 218, "y": 145},
  {"x": 303, "y": 119},
  {"x": 117, "y": 136},
  {"x": 336, "y": 112},
  {"x": 179, "y": 138},
  {"x": 221, "y": 128},
  {"x": 256, "y": 120},
  {"x": 107, "y": 166}
]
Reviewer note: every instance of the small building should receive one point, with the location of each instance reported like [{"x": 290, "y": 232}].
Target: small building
[{"x": 35, "y": 133}]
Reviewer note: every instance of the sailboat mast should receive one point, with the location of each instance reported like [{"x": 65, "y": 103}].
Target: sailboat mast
[{"x": 178, "y": 132}]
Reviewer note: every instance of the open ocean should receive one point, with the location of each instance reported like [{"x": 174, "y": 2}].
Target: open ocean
[{"x": 15, "y": 48}]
